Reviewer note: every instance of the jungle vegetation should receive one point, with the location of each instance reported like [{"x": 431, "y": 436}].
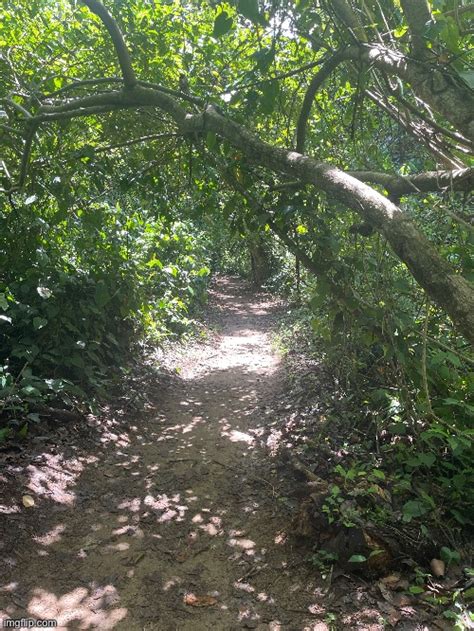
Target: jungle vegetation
[{"x": 322, "y": 147}]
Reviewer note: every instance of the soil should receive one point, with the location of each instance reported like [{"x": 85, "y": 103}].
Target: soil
[{"x": 174, "y": 517}]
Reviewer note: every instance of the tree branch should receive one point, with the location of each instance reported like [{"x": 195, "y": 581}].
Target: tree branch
[
  {"x": 433, "y": 146},
  {"x": 129, "y": 78},
  {"x": 417, "y": 14},
  {"x": 430, "y": 181},
  {"x": 438, "y": 86},
  {"x": 329, "y": 66},
  {"x": 350, "y": 19},
  {"x": 135, "y": 141},
  {"x": 451, "y": 292}
]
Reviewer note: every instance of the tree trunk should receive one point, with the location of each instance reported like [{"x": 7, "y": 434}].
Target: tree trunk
[{"x": 260, "y": 260}]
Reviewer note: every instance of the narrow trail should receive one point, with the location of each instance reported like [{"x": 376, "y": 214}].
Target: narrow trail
[{"x": 168, "y": 521}]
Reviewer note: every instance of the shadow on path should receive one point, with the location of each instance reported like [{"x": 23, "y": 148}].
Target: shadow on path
[{"x": 165, "y": 521}]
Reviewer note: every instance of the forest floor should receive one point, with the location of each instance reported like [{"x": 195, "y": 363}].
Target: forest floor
[{"x": 176, "y": 517}]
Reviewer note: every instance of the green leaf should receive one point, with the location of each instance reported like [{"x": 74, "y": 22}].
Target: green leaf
[
  {"x": 269, "y": 96},
  {"x": 414, "y": 508},
  {"x": 357, "y": 558},
  {"x": 416, "y": 589},
  {"x": 400, "y": 31},
  {"x": 222, "y": 24},
  {"x": 3, "y": 302},
  {"x": 30, "y": 391},
  {"x": 249, "y": 9},
  {"x": 23, "y": 431},
  {"x": 39, "y": 323},
  {"x": 101, "y": 294},
  {"x": 376, "y": 473},
  {"x": 211, "y": 139},
  {"x": 468, "y": 76},
  {"x": 4, "y": 433},
  {"x": 449, "y": 556},
  {"x": 264, "y": 58}
]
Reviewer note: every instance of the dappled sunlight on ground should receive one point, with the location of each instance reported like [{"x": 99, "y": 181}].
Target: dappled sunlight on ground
[{"x": 168, "y": 504}]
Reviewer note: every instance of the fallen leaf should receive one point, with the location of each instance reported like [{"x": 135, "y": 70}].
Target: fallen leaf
[
  {"x": 438, "y": 567},
  {"x": 28, "y": 501},
  {"x": 199, "y": 601},
  {"x": 391, "y": 580}
]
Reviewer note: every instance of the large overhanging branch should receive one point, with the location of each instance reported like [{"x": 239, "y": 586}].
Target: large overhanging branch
[{"x": 447, "y": 288}]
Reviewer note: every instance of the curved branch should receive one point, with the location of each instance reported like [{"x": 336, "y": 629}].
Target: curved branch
[
  {"x": 331, "y": 64},
  {"x": 450, "y": 290},
  {"x": 129, "y": 77},
  {"x": 16, "y": 106},
  {"x": 469, "y": 8},
  {"x": 111, "y": 80},
  {"x": 25, "y": 159},
  {"x": 459, "y": 180},
  {"x": 135, "y": 141}
]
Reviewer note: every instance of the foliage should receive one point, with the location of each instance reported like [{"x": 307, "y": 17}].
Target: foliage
[
  {"x": 80, "y": 287},
  {"x": 121, "y": 209}
]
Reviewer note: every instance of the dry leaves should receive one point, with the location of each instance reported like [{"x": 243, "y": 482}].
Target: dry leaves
[
  {"x": 199, "y": 601},
  {"x": 438, "y": 567}
]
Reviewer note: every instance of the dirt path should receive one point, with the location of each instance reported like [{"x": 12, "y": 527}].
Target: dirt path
[
  {"x": 166, "y": 521},
  {"x": 176, "y": 518}
]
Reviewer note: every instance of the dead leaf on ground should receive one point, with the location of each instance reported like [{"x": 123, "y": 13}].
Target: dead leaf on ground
[
  {"x": 391, "y": 580},
  {"x": 199, "y": 601},
  {"x": 28, "y": 501},
  {"x": 438, "y": 567}
]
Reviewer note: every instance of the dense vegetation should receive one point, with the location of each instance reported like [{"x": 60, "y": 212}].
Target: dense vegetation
[{"x": 320, "y": 147}]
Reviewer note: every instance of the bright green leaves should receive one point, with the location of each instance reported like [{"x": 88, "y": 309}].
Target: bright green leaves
[
  {"x": 400, "y": 31},
  {"x": 222, "y": 24}
]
